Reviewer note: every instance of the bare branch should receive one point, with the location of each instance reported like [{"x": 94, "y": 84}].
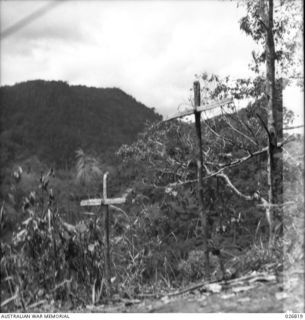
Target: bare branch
[
  {"x": 255, "y": 196},
  {"x": 264, "y": 124},
  {"x": 296, "y": 162},
  {"x": 119, "y": 209},
  {"x": 243, "y": 124},
  {"x": 181, "y": 183},
  {"x": 246, "y": 158},
  {"x": 221, "y": 137},
  {"x": 294, "y": 127},
  {"x": 13, "y": 298},
  {"x": 66, "y": 281},
  {"x": 263, "y": 24},
  {"x": 241, "y": 133}
]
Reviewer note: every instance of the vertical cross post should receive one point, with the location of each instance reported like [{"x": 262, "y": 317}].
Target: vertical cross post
[
  {"x": 203, "y": 214},
  {"x": 105, "y": 208}
]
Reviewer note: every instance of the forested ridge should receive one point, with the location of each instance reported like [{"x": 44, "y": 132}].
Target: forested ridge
[{"x": 51, "y": 119}]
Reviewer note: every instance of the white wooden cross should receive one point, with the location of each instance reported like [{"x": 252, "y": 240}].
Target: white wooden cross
[
  {"x": 104, "y": 200},
  {"x": 104, "y": 203}
]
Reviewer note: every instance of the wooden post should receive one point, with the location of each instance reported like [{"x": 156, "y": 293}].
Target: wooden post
[
  {"x": 197, "y": 99},
  {"x": 106, "y": 241},
  {"x": 107, "y": 250}
]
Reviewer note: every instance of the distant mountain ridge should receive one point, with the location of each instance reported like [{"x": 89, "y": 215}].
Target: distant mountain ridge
[{"x": 51, "y": 119}]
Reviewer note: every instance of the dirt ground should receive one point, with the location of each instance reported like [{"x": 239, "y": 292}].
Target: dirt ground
[
  {"x": 254, "y": 293},
  {"x": 262, "y": 296}
]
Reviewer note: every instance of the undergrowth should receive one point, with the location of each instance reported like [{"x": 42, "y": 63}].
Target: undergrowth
[{"x": 49, "y": 260}]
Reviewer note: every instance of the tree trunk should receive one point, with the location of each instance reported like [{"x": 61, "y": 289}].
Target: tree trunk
[{"x": 275, "y": 123}]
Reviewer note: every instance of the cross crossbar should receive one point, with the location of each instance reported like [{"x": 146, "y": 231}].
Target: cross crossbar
[
  {"x": 202, "y": 108},
  {"x": 104, "y": 201},
  {"x": 99, "y": 202}
]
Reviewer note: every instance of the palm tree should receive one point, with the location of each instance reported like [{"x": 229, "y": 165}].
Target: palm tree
[{"x": 88, "y": 168}]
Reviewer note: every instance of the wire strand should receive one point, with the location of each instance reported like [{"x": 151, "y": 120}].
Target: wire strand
[{"x": 28, "y": 19}]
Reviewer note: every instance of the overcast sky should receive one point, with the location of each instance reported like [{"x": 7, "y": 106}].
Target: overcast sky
[{"x": 150, "y": 49}]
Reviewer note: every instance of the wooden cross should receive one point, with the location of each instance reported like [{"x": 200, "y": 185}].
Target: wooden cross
[
  {"x": 104, "y": 204},
  {"x": 197, "y": 112}
]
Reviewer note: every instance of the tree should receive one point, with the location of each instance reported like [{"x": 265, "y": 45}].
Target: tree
[
  {"x": 88, "y": 169},
  {"x": 275, "y": 26},
  {"x": 287, "y": 33}
]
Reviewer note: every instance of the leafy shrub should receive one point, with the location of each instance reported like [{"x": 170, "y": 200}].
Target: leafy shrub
[
  {"x": 47, "y": 257},
  {"x": 256, "y": 258},
  {"x": 193, "y": 268}
]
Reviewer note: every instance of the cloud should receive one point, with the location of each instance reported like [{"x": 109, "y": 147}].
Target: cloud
[{"x": 150, "y": 49}]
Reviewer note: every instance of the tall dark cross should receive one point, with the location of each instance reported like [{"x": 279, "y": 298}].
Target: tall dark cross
[
  {"x": 104, "y": 204},
  {"x": 197, "y": 112}
]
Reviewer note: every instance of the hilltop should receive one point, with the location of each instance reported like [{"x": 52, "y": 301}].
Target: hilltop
[{"x": 52, "y": 119}]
